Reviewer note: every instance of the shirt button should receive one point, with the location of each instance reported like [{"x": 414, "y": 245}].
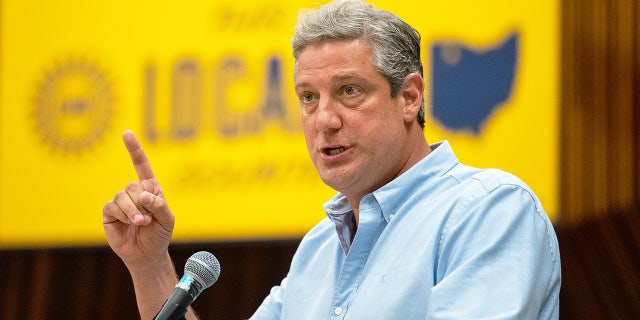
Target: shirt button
[{"x": 338, "y": 311}]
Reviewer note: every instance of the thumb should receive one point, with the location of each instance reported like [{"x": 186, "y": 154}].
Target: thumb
[{"x": 157, "y": 206}]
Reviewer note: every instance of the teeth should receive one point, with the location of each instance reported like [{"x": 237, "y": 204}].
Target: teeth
[{"x": 334, "y": 151}]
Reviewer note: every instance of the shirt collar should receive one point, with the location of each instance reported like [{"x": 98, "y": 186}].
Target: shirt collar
[{"x": 392, "y": 195}]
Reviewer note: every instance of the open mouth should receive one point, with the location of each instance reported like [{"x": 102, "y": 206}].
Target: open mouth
[{"x": 333, "y": 151}]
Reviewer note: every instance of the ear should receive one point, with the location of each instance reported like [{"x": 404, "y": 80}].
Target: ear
[{"x": 412, "y": 94}]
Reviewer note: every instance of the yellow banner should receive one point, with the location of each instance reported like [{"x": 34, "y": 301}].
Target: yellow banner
[{"x": 207, "y": 87}]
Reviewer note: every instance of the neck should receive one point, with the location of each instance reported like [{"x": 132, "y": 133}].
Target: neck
[
  {"x": 420, "y": 153},
  {"x": 356, "y": 214}
]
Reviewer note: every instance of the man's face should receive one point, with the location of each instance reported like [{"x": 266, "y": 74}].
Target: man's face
[{"x": 355, "y": 131}]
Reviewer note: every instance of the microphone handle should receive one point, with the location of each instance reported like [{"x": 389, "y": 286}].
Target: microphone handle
[{"x": 176, "y": 306}]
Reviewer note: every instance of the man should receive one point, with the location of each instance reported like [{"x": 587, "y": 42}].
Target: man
[{"x": 412, "y": 233}]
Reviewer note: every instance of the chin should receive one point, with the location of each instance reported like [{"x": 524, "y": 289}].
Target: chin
[{"x": 332, "y": 181}]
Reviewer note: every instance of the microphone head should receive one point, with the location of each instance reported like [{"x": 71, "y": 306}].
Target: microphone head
[{"x": 204, "y": 268}]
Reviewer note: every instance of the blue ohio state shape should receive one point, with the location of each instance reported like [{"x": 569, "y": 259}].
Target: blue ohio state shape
[{"x": 469, "y": 85}]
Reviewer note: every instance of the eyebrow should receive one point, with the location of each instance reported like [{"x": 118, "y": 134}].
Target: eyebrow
[
  {"x": 349, "y": 76},
  {"x": 302, "y": 85},
  {"x": 337, "y": 78}
]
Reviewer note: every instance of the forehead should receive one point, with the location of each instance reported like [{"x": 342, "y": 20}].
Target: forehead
[{"x": 335, "y": 59}]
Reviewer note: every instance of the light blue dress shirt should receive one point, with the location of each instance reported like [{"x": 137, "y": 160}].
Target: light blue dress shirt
[{"x": 441, "y": 241}]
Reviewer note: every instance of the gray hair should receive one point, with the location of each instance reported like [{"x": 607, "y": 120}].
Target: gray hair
[{"x": 396, "y": 45}]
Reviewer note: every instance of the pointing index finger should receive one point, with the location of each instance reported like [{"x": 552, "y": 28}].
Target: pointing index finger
[{"x": 138, "y": 157}]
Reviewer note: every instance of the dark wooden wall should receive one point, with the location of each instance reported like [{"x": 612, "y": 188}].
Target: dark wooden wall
[
  {"x": 599, "y": 232},
  {"x": 599, "y": 229},
  {"x": 92, "y": 283},
  {"x": 600, "y": 101}
]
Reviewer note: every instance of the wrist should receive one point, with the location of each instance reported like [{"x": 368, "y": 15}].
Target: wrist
[
  {"x": 153, "y": 282},
  {"x": 148, "y": 267}
]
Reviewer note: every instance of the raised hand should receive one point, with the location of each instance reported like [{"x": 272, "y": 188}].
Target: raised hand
[{"x": 137, "y": 222}]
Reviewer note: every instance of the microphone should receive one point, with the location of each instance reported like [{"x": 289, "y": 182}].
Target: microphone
[{"x": 200, "y": 272}]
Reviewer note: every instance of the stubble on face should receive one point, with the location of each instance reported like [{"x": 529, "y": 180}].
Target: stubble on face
[{"x": 354, "y": 129}]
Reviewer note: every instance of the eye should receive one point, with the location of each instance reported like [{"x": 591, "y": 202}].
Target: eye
[
  {"x": 308, "y": 101},
  {"x": 306, "y": 97},
  {"x": 350, "y": 90}
]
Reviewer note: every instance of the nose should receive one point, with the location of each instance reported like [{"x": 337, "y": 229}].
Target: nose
[{"x": 328, "y": 117}]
